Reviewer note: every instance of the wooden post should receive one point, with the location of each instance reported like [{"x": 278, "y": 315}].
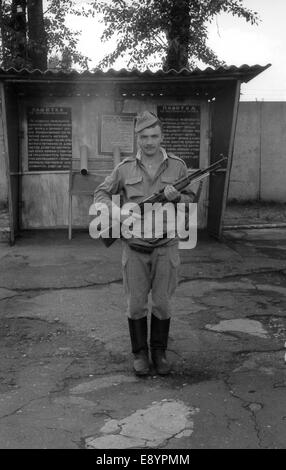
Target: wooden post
[
  {"x": 224, "y": 118},
  {"x": 5, "y": 151}
]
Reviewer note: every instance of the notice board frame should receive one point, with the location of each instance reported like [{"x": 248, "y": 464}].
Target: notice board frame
[
  {"x": 177, "y": 105},
  {"x": 100, "y": 142},
  {"x": 28, "y": 107}
]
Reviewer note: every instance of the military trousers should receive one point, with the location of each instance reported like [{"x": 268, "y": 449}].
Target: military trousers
[{"x": 155, "y": 273}]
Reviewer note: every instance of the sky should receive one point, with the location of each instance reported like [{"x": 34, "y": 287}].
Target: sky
[{"x": 233, "y": 39}]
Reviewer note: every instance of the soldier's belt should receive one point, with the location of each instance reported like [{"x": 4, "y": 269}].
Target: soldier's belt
[{"x": 142, "y": 249}]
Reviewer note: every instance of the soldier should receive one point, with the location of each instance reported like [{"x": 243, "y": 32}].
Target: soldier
[{"x": 148, "y": 264}]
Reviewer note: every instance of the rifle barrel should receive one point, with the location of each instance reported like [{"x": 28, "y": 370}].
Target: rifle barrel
[{"x": 186, "y": 180}]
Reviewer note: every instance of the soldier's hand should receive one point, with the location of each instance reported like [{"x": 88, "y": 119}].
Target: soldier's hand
[{"x": 171, "y": 193}]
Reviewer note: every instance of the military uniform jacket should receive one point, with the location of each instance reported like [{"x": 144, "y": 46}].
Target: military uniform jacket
[{"x": 132, "y": 181}]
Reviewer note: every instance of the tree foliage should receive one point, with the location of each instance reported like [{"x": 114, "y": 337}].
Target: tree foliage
[
  {"x": 171, "y": 32},
  {"x": 33, "y": 29}
]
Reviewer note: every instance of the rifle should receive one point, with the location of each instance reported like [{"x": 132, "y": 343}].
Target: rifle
[{"x": 180, "y": 184}]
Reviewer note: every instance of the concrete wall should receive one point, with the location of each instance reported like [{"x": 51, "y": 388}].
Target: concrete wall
[{"x": 259, "y": 163}]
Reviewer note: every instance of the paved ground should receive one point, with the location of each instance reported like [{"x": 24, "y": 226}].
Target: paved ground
[{"x": 65, "y": 374}]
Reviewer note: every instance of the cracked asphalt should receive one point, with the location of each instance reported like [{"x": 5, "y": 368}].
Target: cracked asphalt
[{"x": 66, "y": 379}]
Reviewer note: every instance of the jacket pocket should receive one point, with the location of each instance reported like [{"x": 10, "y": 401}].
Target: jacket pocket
[
  {"x": 166, "y": 180},
  {"x": 134, "y": 187}
]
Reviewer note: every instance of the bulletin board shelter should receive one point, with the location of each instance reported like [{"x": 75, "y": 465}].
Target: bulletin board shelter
[{"x": 50, "y": 119}]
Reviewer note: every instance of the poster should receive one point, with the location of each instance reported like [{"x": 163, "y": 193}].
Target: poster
[
  {"x": 49, "y": 138},
  {"x": 182, "y": 130},
  {"x": 116, "y": 130}
]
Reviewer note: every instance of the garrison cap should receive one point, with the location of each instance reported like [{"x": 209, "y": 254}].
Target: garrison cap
[{"x": 144, "y": 120}]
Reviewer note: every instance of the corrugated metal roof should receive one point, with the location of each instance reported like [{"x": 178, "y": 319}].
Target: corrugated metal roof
[{"x": 244, "y": 73}]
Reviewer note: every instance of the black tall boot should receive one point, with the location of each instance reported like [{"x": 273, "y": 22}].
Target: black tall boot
[
  {"x": 158, "y": 343},
  {"x": 138, "y": 336}
]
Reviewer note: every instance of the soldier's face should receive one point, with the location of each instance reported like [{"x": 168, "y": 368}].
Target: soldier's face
[{"x": 149, "y": 140}]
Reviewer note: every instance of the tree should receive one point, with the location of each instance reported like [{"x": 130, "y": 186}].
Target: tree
[
  {"x": 38, "y": 45},
  {"x": 14, "y": 31},
  {"x": 172, "y": 33},
  {"x": 29, "y": 33}
]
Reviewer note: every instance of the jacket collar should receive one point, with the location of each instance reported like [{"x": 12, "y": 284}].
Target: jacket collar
[{"x": 165, "y": 156}]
